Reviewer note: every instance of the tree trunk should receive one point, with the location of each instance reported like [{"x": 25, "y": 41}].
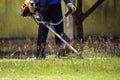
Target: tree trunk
[
  {"x": 78, "y": 28},
  {"x": 79, "y": 17}
]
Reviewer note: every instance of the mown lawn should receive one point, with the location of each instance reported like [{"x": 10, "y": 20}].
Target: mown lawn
[{"x": 60, "y": 69}]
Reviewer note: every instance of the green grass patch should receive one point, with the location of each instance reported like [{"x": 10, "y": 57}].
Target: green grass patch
[{"x": 60, "y": 69}]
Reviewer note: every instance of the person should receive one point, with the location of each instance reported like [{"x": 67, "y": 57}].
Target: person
[{"x": 51, "y": 13}]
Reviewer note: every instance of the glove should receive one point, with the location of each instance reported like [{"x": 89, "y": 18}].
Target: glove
[
  {"x": 38, "y": 18},
  {"x": 72, "y": 7}
]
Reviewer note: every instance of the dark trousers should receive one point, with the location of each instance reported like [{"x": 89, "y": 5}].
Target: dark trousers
[{"x": 52, "y": 14}]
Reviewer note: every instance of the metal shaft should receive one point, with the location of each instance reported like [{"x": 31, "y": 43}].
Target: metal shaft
[
  {"x": 49, "y": 27},
  {"x": 62, "y": 39}
]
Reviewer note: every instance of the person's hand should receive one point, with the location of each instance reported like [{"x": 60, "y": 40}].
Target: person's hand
[{"x": 72, "y": 7}]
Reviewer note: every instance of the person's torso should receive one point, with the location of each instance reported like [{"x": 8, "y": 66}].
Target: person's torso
[
  {"x": 53, "y": 1},
  {"x": 50, "y": 2}
]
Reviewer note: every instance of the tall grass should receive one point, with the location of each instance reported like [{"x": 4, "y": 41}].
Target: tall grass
[{"x": 93, "y": 47}]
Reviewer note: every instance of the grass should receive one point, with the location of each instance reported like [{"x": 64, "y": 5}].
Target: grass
[
  {"x": 101, "y": 61},
  {"x": 60, "y": 69}
]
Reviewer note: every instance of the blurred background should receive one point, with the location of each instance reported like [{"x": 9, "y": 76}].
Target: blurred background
[
  {"x": 105, "y": 19},
  {"x": 12, "y": 24}
]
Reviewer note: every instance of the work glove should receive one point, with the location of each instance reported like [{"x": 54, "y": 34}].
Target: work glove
[
  {"x": 71, "y": 7},
  {"x": 38, "y": 16}
]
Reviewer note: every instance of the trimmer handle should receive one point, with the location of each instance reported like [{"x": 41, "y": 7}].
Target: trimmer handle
[
  {"x": 43, "y": 22},
  {"x": 68, "y": 13}
]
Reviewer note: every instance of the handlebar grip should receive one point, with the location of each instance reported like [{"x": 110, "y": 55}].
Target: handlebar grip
[{"x": 69, "y": 12}]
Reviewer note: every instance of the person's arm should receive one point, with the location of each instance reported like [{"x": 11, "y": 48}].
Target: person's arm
[
  {"x": 67, "y": 1},
  {"x": 32, "y": 5},
  {"x": 70, "y": 5}
]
